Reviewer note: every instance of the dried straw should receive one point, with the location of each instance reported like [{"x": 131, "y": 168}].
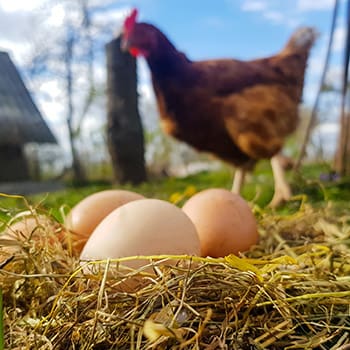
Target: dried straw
[{"x": 291, "y": 291}]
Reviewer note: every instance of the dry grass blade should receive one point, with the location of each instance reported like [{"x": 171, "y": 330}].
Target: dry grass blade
[{"x": 291, "y": 291}]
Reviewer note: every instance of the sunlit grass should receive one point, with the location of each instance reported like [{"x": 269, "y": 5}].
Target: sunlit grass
[{"x": 258, "y": 189}]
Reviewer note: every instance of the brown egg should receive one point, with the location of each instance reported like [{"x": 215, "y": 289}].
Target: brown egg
[
  {"x": 9, "y": 242},
  {"x": 224, "y": 222},
  {"x": 88, "y": 213},
  {"x": 31, "y": 226},
  {"x": 145, "y": 227},
  {"x": 40, "y": 228}
]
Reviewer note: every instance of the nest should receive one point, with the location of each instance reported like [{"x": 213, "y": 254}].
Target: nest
[{"x": 291, "y": 291}]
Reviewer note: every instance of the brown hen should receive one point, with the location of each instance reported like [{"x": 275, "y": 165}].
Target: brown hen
[{"x": 240, "y": 111}]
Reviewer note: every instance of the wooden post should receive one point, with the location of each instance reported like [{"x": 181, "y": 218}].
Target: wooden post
[
  {"x": 342, "y": 157},
  {"x": 124, "y": 129}
]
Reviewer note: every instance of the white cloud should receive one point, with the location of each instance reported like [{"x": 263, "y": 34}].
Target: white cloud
[
  {"x": 147, "y": 102},
  {"x": 20, "y": 5},
  {"x": 316, "y": 61},
  {"x": 17, "y": 50},
  {"x": 56, "y": 16},
  {"x": 339, "y": 39},
  {"x": 315, "y": 5},
  {"x": 278, "y": 17},
  {"x": 143, "y": 72},
  {"x": 100, "y": 73},
  {"x": 213, "y": 22},
  {"x": 334, "y": 76},
  {"x": 52, "y": 108},
  {"x": 272, "y": 11},
  {"x": 116, "y": 15},
  {"x": 274, "y": 16},
  {"x": 328, "y": 128},
  {"x": 255, "y": 5},
  {"x": 146, "y": 92},
  {"x": 13, "y": 26}
]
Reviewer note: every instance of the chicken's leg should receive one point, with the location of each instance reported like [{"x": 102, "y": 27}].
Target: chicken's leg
[
  {"x": 282, "y": 189},
  {"x": 238, "y": 180}
]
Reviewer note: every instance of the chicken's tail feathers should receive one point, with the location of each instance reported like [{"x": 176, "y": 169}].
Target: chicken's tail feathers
[{"x": 302, "y": 39}]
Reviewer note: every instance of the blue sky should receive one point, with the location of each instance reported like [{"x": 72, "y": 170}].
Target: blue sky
[
  {"x": 233, "y": 27},
  {"x": 244, "y": 29}
]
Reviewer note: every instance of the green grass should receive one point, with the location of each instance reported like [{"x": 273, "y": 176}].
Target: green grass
[{"x": 258, "y": 189}]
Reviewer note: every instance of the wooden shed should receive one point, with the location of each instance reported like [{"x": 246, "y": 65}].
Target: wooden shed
[{"x": 20, "y": 123}]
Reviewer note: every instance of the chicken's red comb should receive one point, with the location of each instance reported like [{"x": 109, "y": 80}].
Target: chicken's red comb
[{"x": 130, "y": 21}]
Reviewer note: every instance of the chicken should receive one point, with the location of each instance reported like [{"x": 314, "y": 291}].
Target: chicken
[{"x": 240, "y": 111}]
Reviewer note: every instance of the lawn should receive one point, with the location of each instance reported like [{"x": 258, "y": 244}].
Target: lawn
[{"x": 258, "y": 190}]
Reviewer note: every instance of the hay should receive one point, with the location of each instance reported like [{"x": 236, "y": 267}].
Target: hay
[{"x": 291, "y": 291}]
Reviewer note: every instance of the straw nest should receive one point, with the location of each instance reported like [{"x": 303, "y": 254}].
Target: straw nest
[{"x": 292, "y": 291}]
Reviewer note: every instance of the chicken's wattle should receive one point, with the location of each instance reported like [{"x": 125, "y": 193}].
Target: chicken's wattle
[{"x": 134, "y": 51}]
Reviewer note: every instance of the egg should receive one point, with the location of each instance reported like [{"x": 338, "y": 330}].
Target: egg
[
  {"x": 88, "y": 213},
  {"x": 224, "y": 222},
  {"x": 40, "y": 228},
  {"x": 144, "y": 227},
  {"x": 30, "y": 225}
]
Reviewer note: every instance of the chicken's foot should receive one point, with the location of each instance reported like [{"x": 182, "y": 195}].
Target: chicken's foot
[
  {"x": 282, "y": 188},
  {"x": 238, "y": 180}
]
